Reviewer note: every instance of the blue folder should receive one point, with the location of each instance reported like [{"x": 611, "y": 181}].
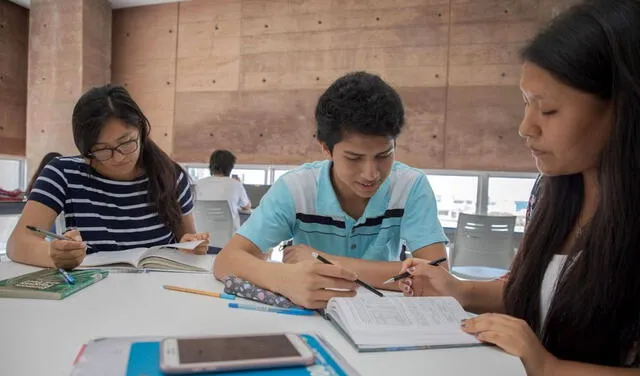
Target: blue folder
[{"x": 144, "y": 360}]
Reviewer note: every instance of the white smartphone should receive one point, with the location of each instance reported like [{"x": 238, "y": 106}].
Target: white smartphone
[{"x": 238, "y": 352}]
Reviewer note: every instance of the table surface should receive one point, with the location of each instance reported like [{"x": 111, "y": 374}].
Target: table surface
[{"x": 43, "y": 337}]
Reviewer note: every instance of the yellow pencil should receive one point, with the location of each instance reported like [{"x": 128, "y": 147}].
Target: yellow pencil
[{"x": 221, "y": 295}]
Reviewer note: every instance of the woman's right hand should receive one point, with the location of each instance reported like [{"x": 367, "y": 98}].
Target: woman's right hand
[
  {"x": 428, "y": 280},
  {"x": 68, "y": 254}
]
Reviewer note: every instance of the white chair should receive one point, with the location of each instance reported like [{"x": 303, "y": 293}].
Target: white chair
[
  {"x": 215, "y": 218},
  {"x": 483, "y": 247}
]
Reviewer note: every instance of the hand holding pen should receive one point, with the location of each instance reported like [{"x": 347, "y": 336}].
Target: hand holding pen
[
  {"x": 407, "y": 274},
  {"x": 426, "y": 278},
  {"x": 66, "y": 251}
]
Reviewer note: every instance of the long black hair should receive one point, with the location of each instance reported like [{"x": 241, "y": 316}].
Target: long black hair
[
  {"x": 594, "y": 315},
  {"x": 45, "y": 161},
  {"x": 101, "y": 104}
]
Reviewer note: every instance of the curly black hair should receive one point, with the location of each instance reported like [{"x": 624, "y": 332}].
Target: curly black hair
[{"x": 358, "y": 102}]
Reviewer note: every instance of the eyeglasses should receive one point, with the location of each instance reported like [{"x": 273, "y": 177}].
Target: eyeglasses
[{"x": 107, "y": 153}]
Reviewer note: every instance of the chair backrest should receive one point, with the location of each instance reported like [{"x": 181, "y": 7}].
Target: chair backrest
[
  {"x": 215, "y": 218},
  {"x": 482, "y": 240},
  {"x": 255, "y": 193}
]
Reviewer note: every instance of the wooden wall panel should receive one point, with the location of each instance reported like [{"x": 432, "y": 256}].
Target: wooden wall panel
[
  {"x": 349, "y": 19},
  {"x": 346, "y": 59},
  {"x": 422, "y": 141},
  {"x": 426, "y": 35},
  {"x": 209, "y": 46},
  {"x": 482, "y": 129},
  {"x": 14, "y": 29},
  {"x": 144, "y": 61},
  {"x": 252, "y": 124},
  {"x": 259, "y": 8},
  {"x": 493, "y": 10},
  {"x": 247, "y": 73}
]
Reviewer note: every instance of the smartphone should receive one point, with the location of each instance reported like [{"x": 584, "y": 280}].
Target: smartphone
[{"x": 229, "y": 353}]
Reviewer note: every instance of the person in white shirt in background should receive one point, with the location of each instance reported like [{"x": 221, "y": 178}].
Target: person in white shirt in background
[{"x": 219, "y": 186}]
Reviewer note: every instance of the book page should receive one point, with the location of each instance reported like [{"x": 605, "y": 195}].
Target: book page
[
  {"x": 400, "y": 321},
  {"x": 128, "y": 256},
  {"x": 173, "y": 259},
  {"x": 399, "y": 313}
]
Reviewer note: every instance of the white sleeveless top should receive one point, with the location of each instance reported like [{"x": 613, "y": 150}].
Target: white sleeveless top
[{"x": 548, "y": 287}]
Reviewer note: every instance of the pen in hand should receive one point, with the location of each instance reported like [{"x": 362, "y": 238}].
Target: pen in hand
[
  {"x": 67, "y": 277},
  {"x": 406, "y": 274},
  {"x": 51, "y": 235},
  {"x": 366, "y": 286}
]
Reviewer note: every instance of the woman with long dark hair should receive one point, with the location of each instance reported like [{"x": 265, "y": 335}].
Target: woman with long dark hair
[
  {"x": 122, "y": 192},
  {"x": 571, "y": 303}
]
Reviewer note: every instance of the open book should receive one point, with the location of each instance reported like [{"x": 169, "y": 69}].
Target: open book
[
  {"x": 163, "y": 257},
  {"x": 372, "y": 323}
]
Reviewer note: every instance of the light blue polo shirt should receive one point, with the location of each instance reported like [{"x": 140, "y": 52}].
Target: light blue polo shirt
[{"x": 303, "y": 205}]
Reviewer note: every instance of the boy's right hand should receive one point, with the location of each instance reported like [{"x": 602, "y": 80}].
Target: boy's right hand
[
  {"x": 68, "y": 254},
  {"x": 307, "y": 283}
]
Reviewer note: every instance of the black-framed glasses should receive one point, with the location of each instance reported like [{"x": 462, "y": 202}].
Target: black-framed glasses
[{"x": 107, "y": 153}]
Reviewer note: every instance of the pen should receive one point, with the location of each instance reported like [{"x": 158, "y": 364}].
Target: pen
[
  {"x": 67, "y": 277},
  {"x": 51, "y": 234},
  {"x": 221, "y": 295},
  {"x": 406, "y": 274},
  {"x": 366, "y": 286},
  {"x": 286, "y": 311}
]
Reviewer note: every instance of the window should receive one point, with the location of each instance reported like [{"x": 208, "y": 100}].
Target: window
[
  {"x": 12, "y": 174},
  {"x": 251, "y": 175},
  {"x": 454, "y": 194},
  {"x": 198, "y": 173},
  {"x": 510, "y": 196}
]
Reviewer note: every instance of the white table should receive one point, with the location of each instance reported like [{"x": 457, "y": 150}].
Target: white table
[{"x": 42, "y": 337}]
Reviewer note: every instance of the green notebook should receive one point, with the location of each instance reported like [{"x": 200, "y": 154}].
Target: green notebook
[{"x": 48, "y": 284}]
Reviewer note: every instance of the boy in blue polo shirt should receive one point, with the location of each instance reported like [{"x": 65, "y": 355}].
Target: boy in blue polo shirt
[{"x": 356, "y": 208}]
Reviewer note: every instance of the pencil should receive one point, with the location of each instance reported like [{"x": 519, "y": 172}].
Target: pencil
[
  {"x": 406, "y": 274},
  {"x": 220, "y": 295},
  {"x": 366, "y": 286}
]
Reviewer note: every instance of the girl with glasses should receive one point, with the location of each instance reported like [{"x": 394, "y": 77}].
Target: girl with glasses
[{"x": 121, "y": 192}]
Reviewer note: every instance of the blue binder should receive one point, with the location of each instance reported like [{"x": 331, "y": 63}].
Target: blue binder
[{"x": 144, "y": 360}]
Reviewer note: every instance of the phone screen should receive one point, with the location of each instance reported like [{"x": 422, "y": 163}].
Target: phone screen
[{"x": 203, "y": 350}]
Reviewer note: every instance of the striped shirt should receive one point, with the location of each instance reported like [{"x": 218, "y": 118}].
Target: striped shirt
[
  {"x": 111, "y": 215},
  {"x": 302, "y": 205}
]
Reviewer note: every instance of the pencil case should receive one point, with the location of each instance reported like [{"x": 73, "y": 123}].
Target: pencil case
[{"x": 245, "y": 289}]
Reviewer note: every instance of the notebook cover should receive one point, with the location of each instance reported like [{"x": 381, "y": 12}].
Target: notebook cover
[
  {"x": 48, "y": 284},
  {"x": 144, "y": 360}
]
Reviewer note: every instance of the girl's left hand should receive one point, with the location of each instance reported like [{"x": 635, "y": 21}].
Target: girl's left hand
[
  {"x": 513, "y": 336},
  {"x": 200, "y": 249}
]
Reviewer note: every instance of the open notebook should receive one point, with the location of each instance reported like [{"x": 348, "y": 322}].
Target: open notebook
[
  {"x": 163, "y": 257},
  {"x": 372, "y": 323}
]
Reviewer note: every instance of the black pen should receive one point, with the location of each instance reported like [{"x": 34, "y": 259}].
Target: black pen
[
  {"x": 366, "y": 286},
  {"x": 406, "y": 274}
]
